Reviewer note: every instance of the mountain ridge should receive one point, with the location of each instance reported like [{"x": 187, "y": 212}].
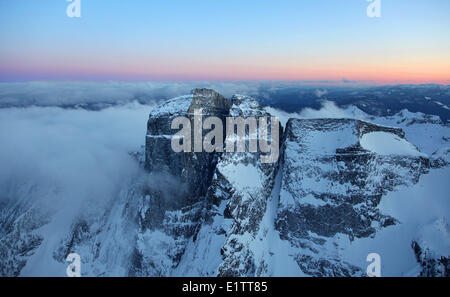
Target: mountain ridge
[{"x": 223, "y": 214}]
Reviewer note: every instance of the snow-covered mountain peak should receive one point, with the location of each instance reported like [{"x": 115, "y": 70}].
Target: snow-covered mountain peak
[
  {"x": 172, "y": 107},
  {"x": 340, "y": 187}
]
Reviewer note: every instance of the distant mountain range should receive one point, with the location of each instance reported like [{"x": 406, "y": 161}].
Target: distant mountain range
[
  {"x": 379, "y": 101},
  {"x": 290, "y": 97}
]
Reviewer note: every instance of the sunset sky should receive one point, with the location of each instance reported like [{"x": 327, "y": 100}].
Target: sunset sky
[{"x": 180, "y": 40}]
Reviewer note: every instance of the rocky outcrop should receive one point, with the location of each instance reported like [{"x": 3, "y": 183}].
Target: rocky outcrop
[
  {"x": 432, "y": 266},
  {"x": 331, "y": 185},
  {"x": 431, "y": 248},
  {"x": 19, "y": 242}
]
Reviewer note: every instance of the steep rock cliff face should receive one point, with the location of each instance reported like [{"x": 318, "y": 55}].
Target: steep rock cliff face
[
  {"x": 174, "y": 201},
  {"x": 194, "y": 170}
]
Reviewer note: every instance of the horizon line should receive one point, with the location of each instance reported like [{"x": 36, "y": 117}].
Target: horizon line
[{"x": 320, "y": 82}]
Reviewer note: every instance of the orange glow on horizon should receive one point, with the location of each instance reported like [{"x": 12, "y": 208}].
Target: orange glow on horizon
[{"x": 410, "y": 71}]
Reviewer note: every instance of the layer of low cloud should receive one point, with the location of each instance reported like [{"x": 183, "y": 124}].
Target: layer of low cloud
[
  {"x": 69, "y": 161},
  {"x": 98, "y": 95},
  {"x": 108, "y": 93}
]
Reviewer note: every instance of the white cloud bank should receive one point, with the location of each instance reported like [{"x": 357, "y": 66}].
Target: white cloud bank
[
  {"x": 68, "y": 159},
  {"x": 76, "y": 93}
]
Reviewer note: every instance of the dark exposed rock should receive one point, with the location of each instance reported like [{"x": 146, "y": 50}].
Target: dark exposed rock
[
  {"x": 20, "y": 242},
  {"x": 323, "y": 267},
  {"x": 431, "y": 266},
  {"x": 192, "y": 169}
]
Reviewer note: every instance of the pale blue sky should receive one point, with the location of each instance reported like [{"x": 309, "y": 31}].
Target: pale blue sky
[{"x": 180, "y": 39}]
